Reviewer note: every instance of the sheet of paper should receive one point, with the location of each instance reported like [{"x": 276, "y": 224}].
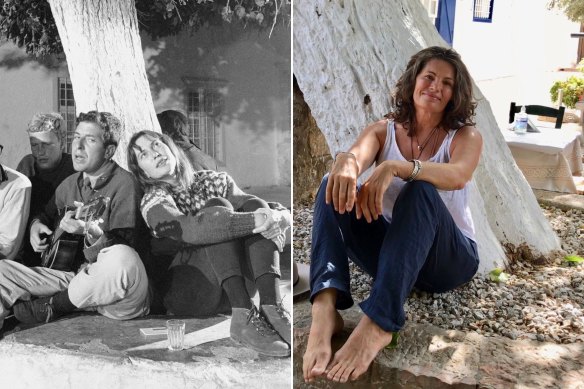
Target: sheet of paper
[{"x": 193, "y": 339}]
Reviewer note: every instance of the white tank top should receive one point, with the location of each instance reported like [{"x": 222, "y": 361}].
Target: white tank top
[{"x": 456, "y": 201}]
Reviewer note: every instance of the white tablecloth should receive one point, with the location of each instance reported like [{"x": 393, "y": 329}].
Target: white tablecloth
[{"x": 550, "y": 158}]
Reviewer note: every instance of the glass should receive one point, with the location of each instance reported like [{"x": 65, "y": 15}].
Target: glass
[{"x": 176, "y": 334}]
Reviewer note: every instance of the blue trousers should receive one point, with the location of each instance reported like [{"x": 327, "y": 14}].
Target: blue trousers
[{"x": 421, "y": 247}]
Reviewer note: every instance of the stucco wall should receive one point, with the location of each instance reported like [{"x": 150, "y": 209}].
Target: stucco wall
[
  {"x": 28, "y": 86},
  {"x": 516, "y": 57},
  {"x": 255, "y": 121},
  {"x": 524, "y": 36}
]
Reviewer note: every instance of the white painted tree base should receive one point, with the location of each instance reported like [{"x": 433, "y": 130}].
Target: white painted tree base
[{"x": 344, "y": 50}]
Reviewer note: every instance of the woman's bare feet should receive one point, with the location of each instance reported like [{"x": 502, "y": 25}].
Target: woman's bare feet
[
  {"x": 326, "y": 321},
  {"x": 354, "y": 358}
]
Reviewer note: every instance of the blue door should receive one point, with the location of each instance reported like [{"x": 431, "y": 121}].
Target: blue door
[{"x": 445, "y": 19}]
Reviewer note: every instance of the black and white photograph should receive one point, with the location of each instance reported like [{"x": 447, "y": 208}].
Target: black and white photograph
[{"x": 145, "y": 196}]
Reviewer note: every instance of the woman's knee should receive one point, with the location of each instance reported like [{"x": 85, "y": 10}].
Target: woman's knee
[
  {"x": 416, "y": 189},
  {"x": 254, "y": 204},
  {"x": 218, "y": 202}
]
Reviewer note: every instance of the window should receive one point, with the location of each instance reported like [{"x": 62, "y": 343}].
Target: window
[
  {"x": 483, "y": 11},
  {"x": 204, "y": 105},
  {"x": 66, "y": 107},
  {"x": 432, "y": 7}
]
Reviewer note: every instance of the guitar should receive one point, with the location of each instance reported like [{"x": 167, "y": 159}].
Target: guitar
[{"x": 62, "y": 250}]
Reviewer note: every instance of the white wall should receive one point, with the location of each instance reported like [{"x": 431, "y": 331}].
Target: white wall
[
  {"x": 516, "y": 57},
  {"x": 524, "y": 36},
  {"x": 256, "y": 117},
  {"x": 28, "y": 87}
]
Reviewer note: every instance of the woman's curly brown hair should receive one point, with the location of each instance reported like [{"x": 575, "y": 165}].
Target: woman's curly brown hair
[{"x": 459, "y": 111}]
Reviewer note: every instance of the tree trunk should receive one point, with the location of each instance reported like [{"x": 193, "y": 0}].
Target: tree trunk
[
  {"x": 106, "y": 65},
  {"x": 345, "y": 50}
]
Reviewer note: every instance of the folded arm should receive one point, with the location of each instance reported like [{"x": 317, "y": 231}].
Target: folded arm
[{"x": 208, "y": 226}]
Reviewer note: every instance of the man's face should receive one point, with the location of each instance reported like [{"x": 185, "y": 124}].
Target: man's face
[
  {"x": 88, "y": 150},
  {"x": 46, "y": 149}
]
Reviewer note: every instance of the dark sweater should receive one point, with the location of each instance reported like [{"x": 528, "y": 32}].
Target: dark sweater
[
  {"x": 122, "y": 222},
  {"x": 44, "y": 184}
]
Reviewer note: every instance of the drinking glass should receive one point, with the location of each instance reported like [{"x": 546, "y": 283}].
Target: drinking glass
[{"x": 176, "y": 334}]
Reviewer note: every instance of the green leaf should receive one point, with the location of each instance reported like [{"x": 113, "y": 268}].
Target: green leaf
[
  {"x": 497, "y": 275},
  {"x": 575, "y": 259},
  {"x": 393, "y": 343}
]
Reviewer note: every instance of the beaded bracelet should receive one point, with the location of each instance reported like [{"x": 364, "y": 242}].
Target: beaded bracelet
[{"x": 415, "y": 171}]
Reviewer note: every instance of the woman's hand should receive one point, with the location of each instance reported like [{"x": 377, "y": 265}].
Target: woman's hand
[
  {"x": 263, "y": 221},
  {"x": 370, "y": 198},
  {"x": 341, "y": 187}
]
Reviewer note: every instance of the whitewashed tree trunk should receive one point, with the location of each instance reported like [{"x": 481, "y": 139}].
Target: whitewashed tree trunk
[
  {"x": 104, "y": 55},
  {"x": 344, "y": 50}
]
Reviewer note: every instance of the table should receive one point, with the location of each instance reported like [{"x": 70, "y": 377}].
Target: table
[{"x": 550, "y": 158}]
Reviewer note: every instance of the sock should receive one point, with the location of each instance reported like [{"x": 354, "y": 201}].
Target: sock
[
  {"x": 269, "y": 289},
  {"x": 62, "y": 303},
  {"x": 234, "y": 287}
]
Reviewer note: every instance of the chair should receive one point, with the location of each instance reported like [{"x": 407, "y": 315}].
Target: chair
[{"x": 540, "y": 110}]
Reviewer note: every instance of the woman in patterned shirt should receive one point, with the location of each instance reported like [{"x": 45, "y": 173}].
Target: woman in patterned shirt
[{"x": 225, "y": 237}]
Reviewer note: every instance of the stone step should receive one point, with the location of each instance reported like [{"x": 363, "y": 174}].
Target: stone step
[
  {"x": 87, "y": 350},
  {"x": 430, "y": 357}
]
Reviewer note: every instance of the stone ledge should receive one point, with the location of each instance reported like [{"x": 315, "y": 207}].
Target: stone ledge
[
  {"x": 430, "y": 357},
  {"x": 563, "y": 201},
  {"x": 90, "y": 351}
]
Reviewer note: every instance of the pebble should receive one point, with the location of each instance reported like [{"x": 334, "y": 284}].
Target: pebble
[{"x": 543, "y": 303}]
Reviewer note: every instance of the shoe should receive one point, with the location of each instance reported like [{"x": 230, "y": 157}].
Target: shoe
[
  {"x": 249, "y": 328},
  {"x": 279, "y": 318},
  {"x": 40, "y": 310}
]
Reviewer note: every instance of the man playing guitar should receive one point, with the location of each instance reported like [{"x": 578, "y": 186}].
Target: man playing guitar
[{"x": 109, "y": 275}]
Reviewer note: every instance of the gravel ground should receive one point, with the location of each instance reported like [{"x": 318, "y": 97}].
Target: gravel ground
[{"x": 544, "y": 303}]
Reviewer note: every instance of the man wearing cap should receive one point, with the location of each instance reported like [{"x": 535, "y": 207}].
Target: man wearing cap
[{"x": 46, "y": 167}]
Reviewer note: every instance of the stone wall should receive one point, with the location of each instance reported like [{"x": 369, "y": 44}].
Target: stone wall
[{"x": 312, "y": 158}]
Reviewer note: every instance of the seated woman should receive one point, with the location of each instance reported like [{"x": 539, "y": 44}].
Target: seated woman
[
  {"x": 226, "y": 236},
  {"x": 425, "y": 154}
]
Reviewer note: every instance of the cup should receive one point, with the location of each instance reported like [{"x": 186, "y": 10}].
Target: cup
[{"x": 176, "y": 334}]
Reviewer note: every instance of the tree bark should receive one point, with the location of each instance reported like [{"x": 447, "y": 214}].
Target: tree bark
[
  {"x": 345, "y": 50},
  {"x": 106, "y": 65}
]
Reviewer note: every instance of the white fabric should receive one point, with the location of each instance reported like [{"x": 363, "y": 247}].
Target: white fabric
[
  {"x": 115, "y": 285},
  {"x": 456, "y": 201},
  {"x": 550, "y": 158},
  {"x": 14, "y": 207}
]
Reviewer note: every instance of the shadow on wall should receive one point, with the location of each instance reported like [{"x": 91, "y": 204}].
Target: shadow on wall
[{"x": 255, "y": 70}]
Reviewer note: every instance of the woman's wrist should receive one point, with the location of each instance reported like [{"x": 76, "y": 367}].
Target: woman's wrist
[{"x": 348, "y": 155}]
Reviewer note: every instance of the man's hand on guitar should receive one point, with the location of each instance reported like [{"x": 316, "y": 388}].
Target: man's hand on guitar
[
  {"x": 71, "y": 225},
  {"x": 38, "y": 236}
]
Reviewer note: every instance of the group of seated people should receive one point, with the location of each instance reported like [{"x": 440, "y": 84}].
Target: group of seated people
[{"x": 73, "y": 231}]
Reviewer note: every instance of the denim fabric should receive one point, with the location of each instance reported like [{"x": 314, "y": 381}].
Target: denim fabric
[{"x": 421, "y": 247}]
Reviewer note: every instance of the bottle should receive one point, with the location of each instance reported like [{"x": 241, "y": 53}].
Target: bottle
[{"x": 521, "y": 122}]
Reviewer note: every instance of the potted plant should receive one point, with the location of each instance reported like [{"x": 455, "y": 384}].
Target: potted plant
[{"x": 572, "y": 88}]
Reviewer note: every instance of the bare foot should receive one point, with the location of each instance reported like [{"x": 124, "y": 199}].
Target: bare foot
[
  {"x": 326, "y": 321},
  {"x": 354, "y": 358}
]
